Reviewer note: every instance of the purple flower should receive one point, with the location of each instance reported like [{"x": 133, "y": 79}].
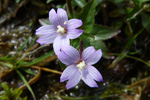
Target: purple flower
[
  {"x": 60, "y": 30},
  {"x": 80, "y": 66}
]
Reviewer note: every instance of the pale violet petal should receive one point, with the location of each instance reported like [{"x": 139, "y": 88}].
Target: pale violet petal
[
  {"x": 71, "y": 52},
  {"x": 86, "y": 54},
  {"x": 62, "y": 16},
  {"x": 74, "y": 80},
  {"x": 53, "y": 18},
  {"x": 64, "y": 41},
  {"x": 46, "y": 30},
  {"x": 74, "y": 23},
  {"x": 47, "y": 39},
  {"x": 68, "y": 55},
  {"x": 59, "y": 42},
  {"x": 56, "y": 44},
  {"x": 94, "y": 73},
  {"x": 95, "y": 57},
  {"x": 74, "y": 33},
  {"x": 88, "y": 79},
  {"x": 65, "y": 59},
  {"x": 68, "y": 73}
]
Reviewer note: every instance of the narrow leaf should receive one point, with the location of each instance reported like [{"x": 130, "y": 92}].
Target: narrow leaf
[
  {"x": 38, "y": 59},
  {"x": 87, "y": 16},
  {"x": 26, "y": 83},
  {"x": 103, "y": 33}
]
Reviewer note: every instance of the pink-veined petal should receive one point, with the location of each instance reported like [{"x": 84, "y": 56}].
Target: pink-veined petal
[
  {"x": 71, "y": 51},
  {"x": 68, "y": 55},
  {"x": 95, "y": 57},
  {"x": 46, "y": 30},
  {"x": 47, "y": 39},
  {"x": 74, "y": 23},
  {"x": 74, "y": 33},
  {"x": 94, "y": 73},
  {"x": 53, "y": 18},
  {"x": 86, "y": 77},
  {"x": 68, "y": 72},
  {"x": 59, "y": 42},
  {"x": 74, "y": 80},
  {"x": 62, "y": 16},
  {"x": 86, "y": 54}
]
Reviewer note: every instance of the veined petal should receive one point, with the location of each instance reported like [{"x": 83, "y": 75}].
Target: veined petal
[
  {"x": 68, "y": 55},
  {"x": 94, "y": 73},
  {"x": 59, "y": 42},
  {"x": 74, "y": 33},
  {"x": 46, "y": 30},
  {"x": 68, "y": 73},
  {"x": 86, "y": 54},
  {"x": 47, "y": 39},
  {"x": 95, "y": 57},
  {"x": 53, "y": 18},
  {"x": 74, "y": 80},
  {"x": 62, "y": 16},
  {"x": 71, "y": 52},
  {"x": 86, "y": 77},
  {"x": 74, "y": 23}
]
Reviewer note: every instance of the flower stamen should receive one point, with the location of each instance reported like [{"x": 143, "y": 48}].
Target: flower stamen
[
  {"x": 65, "y": 23},
  {"x": 61, "y": 29},
  {"x": 81, "y": 65}
]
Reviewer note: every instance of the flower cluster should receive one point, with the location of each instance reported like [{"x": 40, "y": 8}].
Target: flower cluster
[
  {"x": 79, "y": 66},
  {"x": 60, "y": 30}
]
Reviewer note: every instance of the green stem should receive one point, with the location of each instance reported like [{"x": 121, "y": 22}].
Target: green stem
[
  {"x": 70, "y": 7},
  {"x": 138, "y": 59}
]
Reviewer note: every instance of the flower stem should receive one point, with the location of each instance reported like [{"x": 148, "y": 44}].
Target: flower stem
[
  {"x": 81, "y": 47},
  {"x": 138, "y": 59},
  {"x": 69, "y": 7}
]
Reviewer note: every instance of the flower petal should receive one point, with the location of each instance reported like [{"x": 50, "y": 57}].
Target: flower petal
[
  {"x": 95, "y": 57},
  {"x": 62, "y": 16},
  {"x": 46, "y": 30},
  {"x": 68, "y": 73},
  {"x": 59, "y": 42},
  {"x": 86, "y": 77},
  {"x": 74, "y": 23},
  {"x": 74, "y": 33},
  {"x": 53, "y": 18},
  {"x": 74, "y": 80},
  {"x": 47, "y": 39},
  {"x": 68, "y": 55},
  {"x": 86, "y": 54},
  {"x": 94, "y": 73}
]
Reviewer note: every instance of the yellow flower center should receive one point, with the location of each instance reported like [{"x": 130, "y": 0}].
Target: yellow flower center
[
  {"x": 81, "y": 65},
  {"x": 60, "y": 29}
]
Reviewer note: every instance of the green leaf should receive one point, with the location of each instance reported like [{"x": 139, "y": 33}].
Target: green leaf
[
  {"x": 38, "y": 59},
  {"x": 86, "y": 37},
  {"x": 17, "y": 1},
  {"x": 44, "y": 21},
  {"x": 48, "y": 1},
  {"x": 29, "y": 71},
  {"x": 103, "y": 33},
  {"x": 116, "y": 1},
  {"x": 98, "y": 2},
  {"x": 80, "y": 3},
  {"x": 100, "y": 45},
  {"x": 26, "y": 83},
  {"x": 75, "y": 43},
  {"x": 139, "y": 2},
  {"x": 87, "y": 16},
  {"x": 7, "y": 64},
  {"x": 10, "y": 93},
  {"x": 146, "y": 21},
  {"x": 24, "y": 44},
  {"x": 7, "y": 59}
]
